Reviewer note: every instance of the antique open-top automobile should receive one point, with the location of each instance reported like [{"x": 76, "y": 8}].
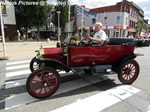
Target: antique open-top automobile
[{"x": 88, "y": 57}]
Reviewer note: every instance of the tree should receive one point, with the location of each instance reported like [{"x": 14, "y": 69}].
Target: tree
[
  {"x": 140, "y": 26},
  {"x": 42, "y": 16},
  {"x": 29, "y": 13},
  {"x": 63, "y": 15}
]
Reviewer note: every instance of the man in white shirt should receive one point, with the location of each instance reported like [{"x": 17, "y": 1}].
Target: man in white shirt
[{"x": 99, "y": 36}]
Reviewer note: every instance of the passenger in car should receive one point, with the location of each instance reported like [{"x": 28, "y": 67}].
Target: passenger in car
[{"x": 99, "y": 36}]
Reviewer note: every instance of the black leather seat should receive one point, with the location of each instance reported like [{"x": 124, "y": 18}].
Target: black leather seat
[{"x": 119, "y": 41}]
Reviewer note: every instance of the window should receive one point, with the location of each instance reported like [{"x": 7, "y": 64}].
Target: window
[
  {"x": 130, "y": 11},
  {"x": 126, "y": 22},
  {"x": 93, "y": 21},
  {"x": 118, "y": 19},
  {"x": 135, "y": 14},
  {"x": 130, "y": 24}
]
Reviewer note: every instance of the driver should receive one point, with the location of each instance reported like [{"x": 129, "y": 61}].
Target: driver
[{"x": 99, "y": 36}]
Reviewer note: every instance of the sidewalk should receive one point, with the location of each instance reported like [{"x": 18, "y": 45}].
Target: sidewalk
[{"x": 20, "y": 50}]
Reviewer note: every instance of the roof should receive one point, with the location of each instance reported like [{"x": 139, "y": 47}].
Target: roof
[{"x": 84, "y": 8}]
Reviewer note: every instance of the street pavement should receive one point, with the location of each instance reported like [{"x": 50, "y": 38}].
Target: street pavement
[
  {"x": 20, "y": 50},
  {"x": 75, "y": 94}
]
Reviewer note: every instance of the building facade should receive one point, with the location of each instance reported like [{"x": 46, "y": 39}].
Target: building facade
[
  {"x": 134, "y": 11},
  {"x": 115, "y": 24},
  {"x": 121, "y": 19},
  {"x": 9, "y": 20}
]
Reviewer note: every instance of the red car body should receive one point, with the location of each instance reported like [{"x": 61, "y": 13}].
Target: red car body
[
  {"x": 85, "y": 55},
  {"x": 118, "y": 53}
]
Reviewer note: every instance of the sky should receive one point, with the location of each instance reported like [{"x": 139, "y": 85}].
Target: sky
[{"x": 143, "y": 4}]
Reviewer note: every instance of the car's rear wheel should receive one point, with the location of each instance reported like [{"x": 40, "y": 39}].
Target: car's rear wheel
[
  {"x": 43, "y": 82},
  {"x": 128, "y": 72}
]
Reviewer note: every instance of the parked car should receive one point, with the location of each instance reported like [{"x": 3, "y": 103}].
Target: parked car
[{"x": 91, "y": 58}]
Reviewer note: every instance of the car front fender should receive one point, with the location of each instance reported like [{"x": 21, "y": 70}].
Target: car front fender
[{"x": 54, "y": 64}]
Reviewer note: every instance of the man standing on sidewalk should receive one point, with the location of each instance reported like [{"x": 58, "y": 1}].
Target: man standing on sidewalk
[{"x": 19, "y": 35}]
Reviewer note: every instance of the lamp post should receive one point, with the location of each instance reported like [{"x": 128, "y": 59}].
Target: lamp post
[
  {"x": 58, "y": 12},
  {"x": 82, "y": 20},
  {"x": 120, "y": 21},
  {"x": 68, "y": 20}
]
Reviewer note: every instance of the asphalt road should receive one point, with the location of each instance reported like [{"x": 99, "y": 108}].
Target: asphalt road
[{"x": 76, "y": 94}]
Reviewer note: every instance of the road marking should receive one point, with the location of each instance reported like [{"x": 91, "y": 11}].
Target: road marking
[
  {"x": 18, "y": 100},
  {"x": 120, "y": 93},
  {"x": 95, "y": 103},
  {"x": 138, "y": 100},
  {"x": 24, "y": 98},
  {"x": 21, "y": 80},
  {"x": 17, "y": 73},
  {"x": 69, "y": 86},
  {"x": 17, "y": 67},
  {"x": 130, "y": 89},
  {"x": 15, "y": 83},
  {"x": 18, "y": 62},
  {"x": 98, "y": 102}
]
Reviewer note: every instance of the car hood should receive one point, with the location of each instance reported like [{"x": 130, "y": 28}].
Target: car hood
[{"x": 53, "y": 53}]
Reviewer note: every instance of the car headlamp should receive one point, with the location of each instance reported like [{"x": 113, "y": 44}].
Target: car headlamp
[{"x": 40, "y": 52}]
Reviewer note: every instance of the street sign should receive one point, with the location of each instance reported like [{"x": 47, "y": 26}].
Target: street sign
[
  {"x": 3, "y": 6},
  {"x": 118, "y": 27}
]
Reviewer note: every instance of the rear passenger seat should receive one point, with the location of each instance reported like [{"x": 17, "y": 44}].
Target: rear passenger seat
[{"x": 119, "y": 41}]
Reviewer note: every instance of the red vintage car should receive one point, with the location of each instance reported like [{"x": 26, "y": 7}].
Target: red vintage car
[{"x": 83, "y": 59}]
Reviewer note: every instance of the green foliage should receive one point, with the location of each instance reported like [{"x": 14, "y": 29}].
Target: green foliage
[
  {"x": 140, "y": 26},
  {"x": 41, "y": 14},
  {"x": 31, "y": 15},
  {"x": 63, "y": 14}
]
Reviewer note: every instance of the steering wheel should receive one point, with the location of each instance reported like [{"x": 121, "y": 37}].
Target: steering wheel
[{"x": 84, "y": 42}]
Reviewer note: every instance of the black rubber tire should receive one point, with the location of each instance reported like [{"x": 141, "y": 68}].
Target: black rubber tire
[
  {"x": 128, "y": 72},
  {"x": 31, "y": 64},
  {"x": 52, "y": 82}
]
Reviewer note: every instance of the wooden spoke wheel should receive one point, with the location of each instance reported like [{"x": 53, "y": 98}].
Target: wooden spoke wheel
[
  {"x": 128, "y": 72},
  {"x": 43, "y": 82}
]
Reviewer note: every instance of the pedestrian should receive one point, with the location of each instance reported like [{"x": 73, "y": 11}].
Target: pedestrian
[
  {"x": 19, "y": 35},
  {"x": 24, "y": 36}
]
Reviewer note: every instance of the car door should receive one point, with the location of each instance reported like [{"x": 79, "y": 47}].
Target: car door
[
  {"x": 85, "y": 55},
  {"x": 79, "y": 55},
  {"x": 104, "y": 54}
]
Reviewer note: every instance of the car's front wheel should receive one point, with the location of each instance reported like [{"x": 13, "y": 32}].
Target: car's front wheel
[
  {"x": 34, "y": 64},
  {"x": 43, "y": 82},
  {"x": 128, "y": 72}
]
